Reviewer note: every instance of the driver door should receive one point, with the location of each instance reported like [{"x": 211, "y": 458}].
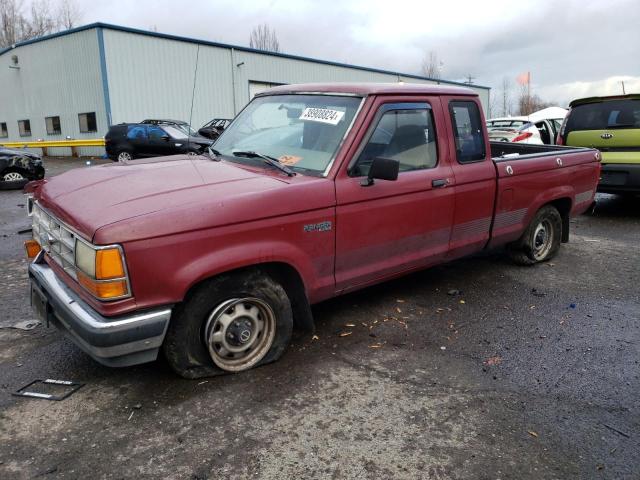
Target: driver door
[{"x": 392, "y": 227}]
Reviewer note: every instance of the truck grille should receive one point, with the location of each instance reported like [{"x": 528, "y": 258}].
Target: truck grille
[{"x": 55, "y": 238}]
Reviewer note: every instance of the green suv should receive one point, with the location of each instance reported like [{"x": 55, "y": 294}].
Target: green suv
[{"x": 612, "y": 125}]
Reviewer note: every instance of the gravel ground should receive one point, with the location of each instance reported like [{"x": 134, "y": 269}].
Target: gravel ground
[{"x": 525, "y": 373}]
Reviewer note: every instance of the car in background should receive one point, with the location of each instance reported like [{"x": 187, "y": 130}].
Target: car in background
[
  {"x": 18, "y": 167},
  {"x": 214, "y": 128},
  {"x": 179, "y": 124},
  {"x": 612, "y": 125},
  {"x": 127, "y": 141},
  {"x": 513, "y": 129},
  {"x": 540, "y": 127}
]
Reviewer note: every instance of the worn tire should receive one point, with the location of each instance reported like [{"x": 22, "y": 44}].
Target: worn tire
[
  {"x": 527, "y": 250},
  {"x": 184, "y": 346}
]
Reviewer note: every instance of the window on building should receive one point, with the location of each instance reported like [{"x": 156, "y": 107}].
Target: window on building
[
  {"x": 468, "y": 133},
  {"x": 4, "y": 133},
  {"x": 53, "y": 125},
  {"x": 24, "y": 128},
  {"x": 87, "y": 122}
]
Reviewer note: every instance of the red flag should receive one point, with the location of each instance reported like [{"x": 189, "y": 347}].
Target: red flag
[{"x": 524, "y": 78}]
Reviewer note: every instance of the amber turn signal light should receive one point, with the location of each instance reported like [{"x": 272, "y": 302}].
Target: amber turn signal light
[
  {"x": 109, "y": 264},
  {"x": 32, "y": 248},
  {"x": 103, "y": 290}
]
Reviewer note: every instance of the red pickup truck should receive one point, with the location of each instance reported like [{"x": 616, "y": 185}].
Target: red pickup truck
[{"x": 311, "y": 192}]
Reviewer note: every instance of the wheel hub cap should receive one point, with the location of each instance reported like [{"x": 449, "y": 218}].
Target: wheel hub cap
[{"x": 239, "y": 333}]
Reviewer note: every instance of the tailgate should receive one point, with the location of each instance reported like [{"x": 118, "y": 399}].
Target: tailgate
[{"x": 616, "y": 145}]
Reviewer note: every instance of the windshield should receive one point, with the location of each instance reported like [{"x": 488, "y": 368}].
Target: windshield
[
  {"x": 300, "y": 131},
  {"x": 186, "y": 129},
  {"x": 174, "y": 131}
]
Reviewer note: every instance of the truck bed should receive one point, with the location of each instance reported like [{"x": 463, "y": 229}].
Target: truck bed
[{"x": 506, "y": 151}]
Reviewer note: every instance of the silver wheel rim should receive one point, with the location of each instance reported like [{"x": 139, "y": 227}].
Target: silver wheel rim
[
  {"x": 239, "y": 333},
  {"x": 124, "y": 156},
  {"x": 542, "y": 239},
  {"x": 13, "y": 177},
  {"x": 192, "y": 154}
]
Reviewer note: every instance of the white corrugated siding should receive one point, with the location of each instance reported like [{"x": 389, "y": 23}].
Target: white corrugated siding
[
  {"x": 154, "y": 78},
  {"x": 57, "y": 77}
]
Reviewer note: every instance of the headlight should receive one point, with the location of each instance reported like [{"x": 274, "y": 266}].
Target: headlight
[{"x": 101, "y": 270}]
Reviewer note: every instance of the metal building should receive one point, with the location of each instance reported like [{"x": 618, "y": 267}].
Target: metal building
[{"x": 78, "y": 82}]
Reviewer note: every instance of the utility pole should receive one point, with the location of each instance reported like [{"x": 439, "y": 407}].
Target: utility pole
[
  {"x": 623, "y": 92},
  {"x": 470, "y": 80}
]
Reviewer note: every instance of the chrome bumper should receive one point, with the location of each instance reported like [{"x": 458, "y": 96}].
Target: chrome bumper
[{"x": 115, "y": 342}]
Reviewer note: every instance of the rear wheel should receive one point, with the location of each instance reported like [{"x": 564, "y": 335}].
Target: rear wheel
[
  {"x": 541, "y": 240},
  {"x": 229, "y": 324}
]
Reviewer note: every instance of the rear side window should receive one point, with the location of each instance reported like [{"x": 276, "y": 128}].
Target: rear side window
[
  {"x": 604, "y": 116},
  {"x": 467, "y": 131},
  {"x": 4, "y": 133},
  {"x": 137, "y": 132}
]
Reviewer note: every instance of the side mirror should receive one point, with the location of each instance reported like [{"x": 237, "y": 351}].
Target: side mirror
[
  {"x": 382, "y": 169},
  {"x": 166, "y": 138}
]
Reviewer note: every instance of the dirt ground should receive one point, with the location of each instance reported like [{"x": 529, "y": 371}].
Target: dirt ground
[{"x": 524, "y": 373}]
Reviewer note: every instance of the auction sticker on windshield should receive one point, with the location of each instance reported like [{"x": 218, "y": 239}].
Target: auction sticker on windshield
[{"x": 323, "y": 115}]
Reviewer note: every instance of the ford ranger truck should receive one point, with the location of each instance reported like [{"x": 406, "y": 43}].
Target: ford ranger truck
[{"x": 312, "y": 191}]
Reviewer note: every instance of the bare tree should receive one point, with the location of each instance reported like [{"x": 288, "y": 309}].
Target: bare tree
[
  {"x": 527, "y": 103},
  {"x": 264, "y": 38},
  {"x": 432, "y": 66},
  {"x": 41, "y": 19},
  {"x": 69, "y": 14}
]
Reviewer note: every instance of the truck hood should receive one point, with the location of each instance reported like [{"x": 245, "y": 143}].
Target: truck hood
[{"x": 180, "y": 192}]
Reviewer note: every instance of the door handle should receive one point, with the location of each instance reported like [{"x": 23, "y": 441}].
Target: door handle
[{"x": 438, "y": 183}]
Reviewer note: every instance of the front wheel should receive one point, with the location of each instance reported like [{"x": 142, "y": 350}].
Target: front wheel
[
  {"x": 230, "y": 323},
  {"x": 541, "y": 240}
]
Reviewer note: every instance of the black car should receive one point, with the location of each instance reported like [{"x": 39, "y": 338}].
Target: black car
[
  {"x": 17, "y": 167},
  {"x": 133, "y": 140},
  {"x": 214, "y": 128}
]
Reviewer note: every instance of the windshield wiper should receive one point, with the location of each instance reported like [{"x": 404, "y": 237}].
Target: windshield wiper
[
  {"x": 270, "y": 160},
  {"x": 213, "y": 154}
]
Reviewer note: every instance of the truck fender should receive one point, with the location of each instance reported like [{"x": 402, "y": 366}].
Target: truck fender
[
  {"x": 282, "y": 261},
  {"x": 562, "y": 198}
]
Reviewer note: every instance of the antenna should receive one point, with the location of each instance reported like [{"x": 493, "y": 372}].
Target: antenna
[
  {"x": 193, "y": 94},
  {"x": 623, "y": 92}
]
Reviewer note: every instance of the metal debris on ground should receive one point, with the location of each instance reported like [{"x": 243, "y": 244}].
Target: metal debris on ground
[
  {"x": 48, "y": 389},
  {"x": 532, "y": 433},
  {"x": 345, "y": 334},
  {"x": 24, "y": 325}
]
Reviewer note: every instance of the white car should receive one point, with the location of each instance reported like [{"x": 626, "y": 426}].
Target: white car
[{"x": 538, "y": 128}]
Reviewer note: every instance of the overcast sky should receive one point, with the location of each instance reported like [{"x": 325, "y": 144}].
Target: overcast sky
[{"x": 572, "y": 48}]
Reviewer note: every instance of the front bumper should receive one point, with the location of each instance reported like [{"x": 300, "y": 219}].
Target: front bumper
[
  {"x": 115, "y": 342},
  {"x": 619, "y": 178}
]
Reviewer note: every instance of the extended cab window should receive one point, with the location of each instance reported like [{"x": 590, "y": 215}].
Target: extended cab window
[
  {"x": 467, "y": 131},
  {"x": 404, "y": 132}
]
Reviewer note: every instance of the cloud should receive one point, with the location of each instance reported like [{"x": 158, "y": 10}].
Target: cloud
[{"x": 565, "y": 45}]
